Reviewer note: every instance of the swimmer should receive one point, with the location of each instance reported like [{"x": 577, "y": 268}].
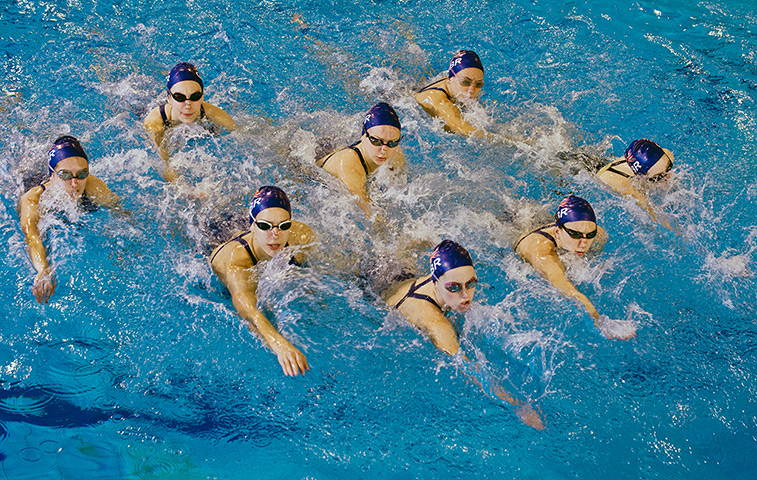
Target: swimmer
[
  {"x": 271, "y": 230},
  {"x": 185, "y": 104},
  {"x": 379, "y": 145},
  {"x": 575, "y": 230},
  {"x": 644, "y": 160},
  {"x": 450, "y": 286},
  {"x": 462, "y": 85},
  {"x": 68, "y": 166}
]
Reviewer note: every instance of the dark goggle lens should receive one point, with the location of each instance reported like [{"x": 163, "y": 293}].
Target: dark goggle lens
[
  {"x": 66, "y": 175},
  {"x": 181, "y": 98},
  {"x": 263, "y": 225},
  {"x": 575, "y": 234},
  {"x": 377, "y": 142}
]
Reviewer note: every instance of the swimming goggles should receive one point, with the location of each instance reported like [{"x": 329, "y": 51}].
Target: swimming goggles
[
  {"x": 467, "y": 82},
  {"x": 181, "y": 98},
  {"x": 377, "y": 142},
  {"x": 455, "y": 287},
  {"x": 661, "y": 176},
  {"x": 66, "y": 175},
  {"x": 263, "y": 225},
  {"x": 575, "y": 234}
]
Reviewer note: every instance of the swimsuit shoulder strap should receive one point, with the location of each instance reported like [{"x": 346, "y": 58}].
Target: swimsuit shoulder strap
[
  {"x": 166, "y": 122},
  {"x": 610, "y": 167},
  {"x": 354, "y": 148},
  {"x": 432, "y": 86},
  {"x": 202, "y": 111},
  {"x": 538, "y": 231},
  {"x": 419, "y": 296},
  {"x": 243, "y": 242}
]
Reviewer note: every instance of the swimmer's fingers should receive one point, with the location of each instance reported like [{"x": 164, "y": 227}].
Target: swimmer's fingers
[
  {"x": 530, "y": 417},
  {"x": 44, "y": 286},
  {"x": 292, "y": 361}
]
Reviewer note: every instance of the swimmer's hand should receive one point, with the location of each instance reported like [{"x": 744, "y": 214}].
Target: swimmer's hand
[
  {"x": 292, "y": 361},
  {"x": 530, "y": 417},
  {"x": 44, "y": 285},
  {"x": 616, "y": 329}
]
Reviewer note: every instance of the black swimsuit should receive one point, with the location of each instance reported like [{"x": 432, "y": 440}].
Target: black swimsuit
[
  {"x": 247, "y": 247},
  {"x": 420, "y": 296},
  {"x": 244, "y": 243},
  {"x": 168, "y": 123},
  {"x": 354, "y": 148},
  {"x": 610, "y": 167},
  {"x": 85, "y": 203},
  {"x": 541, "y": 232},
  {"x": 432, "y": 87}
]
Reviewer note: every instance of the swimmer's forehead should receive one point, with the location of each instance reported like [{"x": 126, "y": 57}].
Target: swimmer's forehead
[
  {"x": 186, "y": 86},
  {"x": 459, "y": 274},
  {"x": 471, "y": 72},
  {"x": 273, "y": 214},
  {"x": 384, "y": 132},
  {"x": 581, "y": 225},
  {"x": 69, "y": 163}
]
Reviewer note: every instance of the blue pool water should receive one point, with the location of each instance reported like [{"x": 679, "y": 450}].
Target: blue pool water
[{"x": 139, "y": 366}]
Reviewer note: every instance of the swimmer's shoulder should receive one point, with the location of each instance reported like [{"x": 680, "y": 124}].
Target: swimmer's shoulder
[
  {"x": 301, "y": 234},
  {"x": 153, "y": 122},
  {"x": 536, "y": 242},
  {"x": 99, "y": 192},
  {"x": 232, "y": 253},
  {"x": 218, "y": 116},
  {"x": 30, "y": 199},
  {"x": 395, "y": 293},
  {"x": 433, "y": 94},
  {"x": 346, "y": 158}
]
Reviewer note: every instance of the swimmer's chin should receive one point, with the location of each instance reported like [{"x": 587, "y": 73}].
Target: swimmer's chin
[
  {"x": 462, "y": 308},
  {"x": 273, "y": 249}
]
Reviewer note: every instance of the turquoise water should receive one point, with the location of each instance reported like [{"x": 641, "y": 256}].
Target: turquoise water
[{"x": 139, "y": 367}]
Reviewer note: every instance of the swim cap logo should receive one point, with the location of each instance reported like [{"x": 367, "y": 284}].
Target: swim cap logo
[
  {"x": 561, "y": 212},
  {"x": 456, "y": 61}
]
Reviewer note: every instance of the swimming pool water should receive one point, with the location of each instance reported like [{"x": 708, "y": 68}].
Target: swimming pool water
[{"x": 140, "y": 368}]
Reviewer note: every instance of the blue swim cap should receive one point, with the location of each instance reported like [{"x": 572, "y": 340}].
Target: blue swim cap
[
  {"x": 181, "y": 72},
  {"x": 446, "y": 256},
  {"x": 642, "y": 154},
  {"x": 381, "y": 114},
  {"x": 462, "y": 60},
  {"x": 268, "y": 197},
  {"x": 63, "y": 148},
  {"x": 574, "y": 209}
]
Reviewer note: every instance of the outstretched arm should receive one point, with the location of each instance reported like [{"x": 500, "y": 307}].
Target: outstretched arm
[
  {"x": 436, "y": 104},
  {"x": 492, "y": 388},
  {"x": 44, "y": 282},
  {"x": 155, "y": 130},
  {"x": 242, "y": 288}
]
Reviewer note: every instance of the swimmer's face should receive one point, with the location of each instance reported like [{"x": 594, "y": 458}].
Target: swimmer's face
[
  {"x": 271, "y": 241},
  {"x": 75, "y": 166},
  {"x": 466, "y": 84},
  {"x": 659, "y": 170},
  {"x": 581, "y": 245},
  {"x": 188, "y": 110},
  {"x": 381, "y": 134},
  {"x": 463, "y": 281}
]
